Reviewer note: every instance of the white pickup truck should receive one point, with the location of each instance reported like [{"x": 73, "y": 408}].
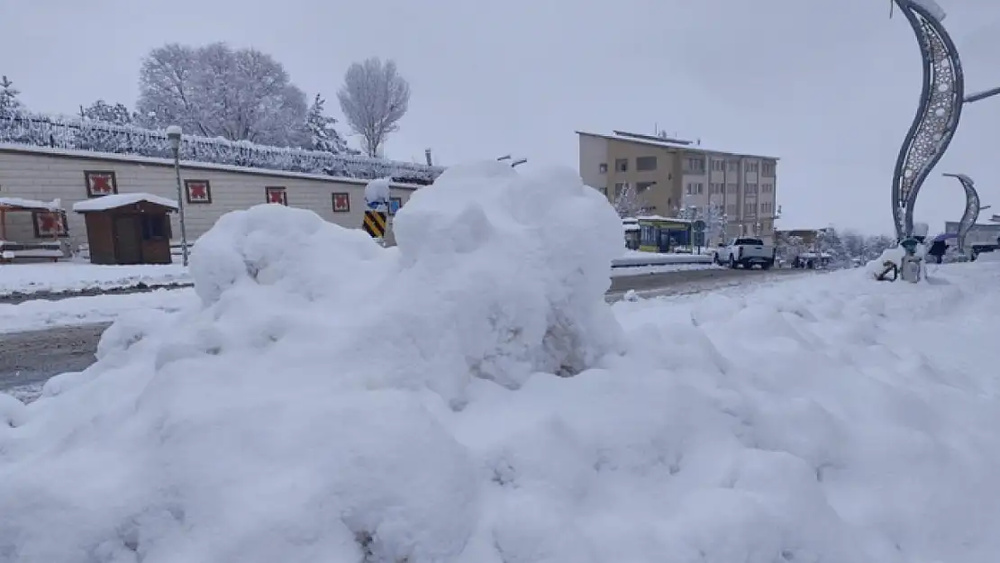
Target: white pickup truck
[{"x": 747, "y": 252}]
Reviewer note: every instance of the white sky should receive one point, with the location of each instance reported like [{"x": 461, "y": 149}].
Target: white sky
[{"x": 832, "y": 92}]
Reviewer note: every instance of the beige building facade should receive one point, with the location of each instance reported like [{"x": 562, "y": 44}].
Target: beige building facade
[
  {"x": 669, "y": 175},
  {"x": 210, "y": 190}
]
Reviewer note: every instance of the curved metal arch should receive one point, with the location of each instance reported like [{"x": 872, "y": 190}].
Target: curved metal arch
[
  {"x": 972, "y": 208},
  {"x": 937, "y": 117}
]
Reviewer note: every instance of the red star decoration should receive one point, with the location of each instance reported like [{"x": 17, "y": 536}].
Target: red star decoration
[
  {"x": 100, "y": 184},
  {"x": 198, "y": 191},
  {"x": 278, "y": 196},
  {"x": 341, "y": 202},
  {"x": 48, "y": 224}
]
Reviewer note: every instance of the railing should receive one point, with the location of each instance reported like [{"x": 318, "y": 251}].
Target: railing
[{"x": 83, "y": 134}]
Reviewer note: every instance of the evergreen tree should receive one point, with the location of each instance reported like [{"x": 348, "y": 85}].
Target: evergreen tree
[
  {"x": 320, "y": 127},
  {"x": 9, "y": 103}
]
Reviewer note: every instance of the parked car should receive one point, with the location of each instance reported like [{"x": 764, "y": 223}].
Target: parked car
[{"x": 748, "y": 252}]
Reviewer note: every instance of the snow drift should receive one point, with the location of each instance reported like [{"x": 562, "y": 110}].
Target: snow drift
[{"x": 330, "y": 400}]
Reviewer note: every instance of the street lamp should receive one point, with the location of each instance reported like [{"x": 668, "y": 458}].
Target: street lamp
[
  {"x": 174, "y": 134},
  {"x": 518, "y": 162}
]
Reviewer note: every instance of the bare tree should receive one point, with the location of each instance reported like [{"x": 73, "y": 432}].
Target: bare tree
[
  {"x": 374, "y": 98},
  {"x": 627, "y": 202},
  {"x": 217, "y": 91}
]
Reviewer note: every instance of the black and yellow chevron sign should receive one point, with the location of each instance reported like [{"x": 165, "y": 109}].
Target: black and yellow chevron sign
[{"x": 374, "y": 224}]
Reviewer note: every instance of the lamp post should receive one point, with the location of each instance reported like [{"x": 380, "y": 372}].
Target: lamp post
[{"x": 174, "y": 134}]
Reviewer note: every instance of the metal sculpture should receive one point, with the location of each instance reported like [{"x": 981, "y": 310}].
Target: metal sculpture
[
  {"x": 941, "y": 100},
  {"x": 972, "y": 208}
]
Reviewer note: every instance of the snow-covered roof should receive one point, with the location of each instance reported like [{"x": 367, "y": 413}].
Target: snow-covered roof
[
  {"x": 30, "y": 204},
  {"x": 115, "y": 201},
  {"x": 662, "y": 218},
  {"x": 666, "y": 144}
]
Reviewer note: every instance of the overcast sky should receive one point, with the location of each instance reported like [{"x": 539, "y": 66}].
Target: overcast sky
[{"x": 831, "y": 91}]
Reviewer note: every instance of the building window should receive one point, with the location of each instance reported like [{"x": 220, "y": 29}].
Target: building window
[
  {"x": 732, "y": 188},
  {"x": 621, "y": 165},
  {"x": 695, "y": 164},
  {"x": 602, "y": 168},
  {"x": 766, "y": 188},
  {"x": 395, "y": 203},
  {"x": 751, "y": 189},
  {"x": 645, "y": 163},
  {"x": 752, "y": 166},
  {"x": 734, "y": 166},
  {"x": 155, "y": 227},
  {"x": 701, "y": 188},
  {"x": 197, "y": 191},
  {"x": 768, "y": 169},
  {"x": 620, "y": 189},
  {"x": 749, "y": 208},
  {"x": 642, "y": 186},
  {"x": 719, "y": 165}
]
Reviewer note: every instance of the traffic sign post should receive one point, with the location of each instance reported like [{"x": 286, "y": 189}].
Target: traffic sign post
[
  {"x": 377, "y": 201},
  {"x": 374, "y": 224}
]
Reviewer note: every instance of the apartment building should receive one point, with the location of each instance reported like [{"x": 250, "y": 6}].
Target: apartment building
[{"x": 669, "y": 175}]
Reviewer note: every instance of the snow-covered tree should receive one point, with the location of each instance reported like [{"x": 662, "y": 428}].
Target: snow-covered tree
[
  {"x": 830, "y": 242},
  {"x": 9, "y": 102},
  {"x": 216, "y": 91},
  {"x": 323, "y": 134},
  {"x": 877, "y": 244},
  {"x": 627, "y": 202},
  {"x": 790, "y": 246},
  {"x": 714, "y": 216},
  {"x": 103, "y": 111},
  {"x": 374, "y": 98}
]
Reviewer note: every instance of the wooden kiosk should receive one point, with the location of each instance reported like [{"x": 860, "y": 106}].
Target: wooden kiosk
[{"x": 128, "y": 228}]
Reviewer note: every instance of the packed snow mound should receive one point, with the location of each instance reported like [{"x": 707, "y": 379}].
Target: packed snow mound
[
  {"x": 301, "y": 412},
  {"x": 520, "y": 265}
]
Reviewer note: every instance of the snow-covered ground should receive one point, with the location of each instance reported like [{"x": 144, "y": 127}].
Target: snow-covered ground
[
  {"x": 71, "y": 276},
  {"x": 40, "y": 314},
  {"x": 426, "y": 404}
]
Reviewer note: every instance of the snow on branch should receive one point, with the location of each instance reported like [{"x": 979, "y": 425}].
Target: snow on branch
[{"x": 22, "y": 128}]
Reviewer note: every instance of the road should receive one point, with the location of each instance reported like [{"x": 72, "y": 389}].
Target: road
[{"x": 28, "y": 359}]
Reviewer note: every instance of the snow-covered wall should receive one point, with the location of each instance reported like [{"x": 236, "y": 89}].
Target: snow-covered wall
[{"x": 81, "y": 134}]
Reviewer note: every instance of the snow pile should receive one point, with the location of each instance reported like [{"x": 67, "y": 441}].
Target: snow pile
[
  {"x": 300, "y": 412},
  {"x": 329, "y": 401}
]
